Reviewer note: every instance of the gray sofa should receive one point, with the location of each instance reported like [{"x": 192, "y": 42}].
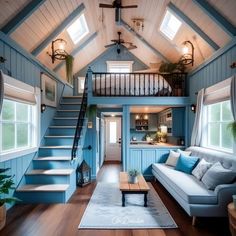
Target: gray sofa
[{"x": 191, "y": 193}]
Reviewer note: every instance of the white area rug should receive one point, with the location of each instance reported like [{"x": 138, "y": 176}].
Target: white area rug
[{"x": 104, "y": 210}]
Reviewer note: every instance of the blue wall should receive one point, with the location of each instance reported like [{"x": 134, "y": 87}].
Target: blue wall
[
  {"x": 20, "y": 65},
  {"x": 216, "y": 69},
  {"x": 100, "y": 65}
]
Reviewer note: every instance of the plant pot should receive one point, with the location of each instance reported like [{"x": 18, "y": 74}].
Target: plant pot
[
  {"x": 3, "y": 214},
  {"x": 133, "y": 179}
]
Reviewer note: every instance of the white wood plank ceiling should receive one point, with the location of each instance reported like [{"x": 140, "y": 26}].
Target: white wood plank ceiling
[{"x": 52, "y": 13}]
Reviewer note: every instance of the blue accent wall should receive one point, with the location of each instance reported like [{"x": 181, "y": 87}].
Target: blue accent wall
[
  {"x": 23, "y": 67},
  {"x": 215, "y": 70},
  {"x": 100, "y": 65}
]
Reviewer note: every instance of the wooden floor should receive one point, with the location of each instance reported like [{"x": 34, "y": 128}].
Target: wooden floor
[{"x": 63, "y": 219}]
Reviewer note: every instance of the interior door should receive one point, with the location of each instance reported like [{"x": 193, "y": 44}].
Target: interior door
[{"x": 113, "y": 139}]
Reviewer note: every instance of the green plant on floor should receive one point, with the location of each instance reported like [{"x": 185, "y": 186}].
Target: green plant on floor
[
  {"x": 6, "y": 184},
  {"x": 232, "y": 128},
  {"x": 69, "y": 68},
  {"x": 168, "y": 67},
  {"x": 133, "y": 173}
]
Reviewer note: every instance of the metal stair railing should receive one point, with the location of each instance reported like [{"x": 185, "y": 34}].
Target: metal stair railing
[{"x": 80, "y": 121}]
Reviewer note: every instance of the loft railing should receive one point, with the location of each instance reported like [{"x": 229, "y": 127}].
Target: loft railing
[
  {"x": 138, "y": 84},
  {"x": 80, "y": 121}
]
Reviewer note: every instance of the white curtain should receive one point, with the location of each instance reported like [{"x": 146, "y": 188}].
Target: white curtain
[
  {"x": 233, "y": 96},
  {"x": 1, "y": 90},
  {"x": 197, "y": 127}
]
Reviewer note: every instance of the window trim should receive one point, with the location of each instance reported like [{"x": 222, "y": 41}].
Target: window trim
[
  {"x": 129, "y": 63},
  {"x": 13, "y": 83}
]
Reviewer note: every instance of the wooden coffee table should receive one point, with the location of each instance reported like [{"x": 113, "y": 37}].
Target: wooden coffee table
[{"x": 126, "y": 188}]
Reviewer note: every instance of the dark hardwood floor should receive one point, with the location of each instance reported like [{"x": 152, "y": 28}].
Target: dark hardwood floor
[{"x": 63, "y": 219}]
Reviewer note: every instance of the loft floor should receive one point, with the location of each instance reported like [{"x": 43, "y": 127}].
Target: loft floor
[{"x": 63, "y": 219}]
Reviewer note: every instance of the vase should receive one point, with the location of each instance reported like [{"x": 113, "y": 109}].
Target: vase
[
  {"x": 133, "y": 179},
  {"x": 3, "y": 213}
]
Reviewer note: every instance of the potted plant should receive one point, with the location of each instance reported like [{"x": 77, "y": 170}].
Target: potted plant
[
  {"x": 6, "y": 183},
  {"x": 69, "y": 68},
  {"x": 133, "y": 176},
  {"x": 232, "y": 128},
  {"x": 163, "y": 137}
]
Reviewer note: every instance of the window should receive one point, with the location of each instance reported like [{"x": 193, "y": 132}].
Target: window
[
  {"x": 170, "y": 25},
  {"x": 16, "y": 126},
  {"x": 219, "y": 115},
  {"x": 81, "y": 81},
  {"x": 19, "y": 119},
  {"x": 78, "y": 30},
  {"x": 112, "y": 130},
  {"x": 119, "y": 66}
]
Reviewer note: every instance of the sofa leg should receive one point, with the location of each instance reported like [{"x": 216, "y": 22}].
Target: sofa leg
[{"x": 194, "y": 221}]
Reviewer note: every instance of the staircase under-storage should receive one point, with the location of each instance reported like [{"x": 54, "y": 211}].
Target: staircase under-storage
[{"x": 51, "y": 178}]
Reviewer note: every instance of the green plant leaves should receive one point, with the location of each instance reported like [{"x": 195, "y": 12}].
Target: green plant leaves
[{"x": 232, "y": 128}]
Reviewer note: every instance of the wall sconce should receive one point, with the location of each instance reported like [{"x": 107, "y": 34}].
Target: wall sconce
[
  {"x": 193, "y": 108},
  {"x": 43, "y": 108},
  {"x": 90, "y": 124},
  {"x": 2, "y": 59},
  {"x": 58, "y": 50},
  {"x": 188, "y": 53},
  {"x": 138, "y": 24}
]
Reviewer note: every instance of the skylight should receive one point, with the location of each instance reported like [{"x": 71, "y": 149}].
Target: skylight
[
  {"x": 170, "y": 25},
  {"x": 78, "y": 30}
]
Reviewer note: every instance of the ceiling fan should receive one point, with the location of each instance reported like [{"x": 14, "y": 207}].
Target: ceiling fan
[
  {"x": 119, "y": 41},
  {"x": 117, "y": 5}
]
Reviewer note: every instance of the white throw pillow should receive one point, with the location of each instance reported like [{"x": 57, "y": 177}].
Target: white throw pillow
[
  {"x": 201, "y": 169},
  {"x": 172, "y": 158},
  {"x": 185, "y": 153}
]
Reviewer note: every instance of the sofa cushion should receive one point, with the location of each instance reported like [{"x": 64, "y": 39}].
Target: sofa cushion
[
  {"x": 186, "y": 153},
  {"x": 217, "y": 175},
  {"x": 186, "y": 163},
  {"x": 187, "y": 186},
  {"x": 201, "y": 169},
  {"x": 172, "y": 158}
]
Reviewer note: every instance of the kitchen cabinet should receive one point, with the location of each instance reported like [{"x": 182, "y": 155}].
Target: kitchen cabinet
[
  {"x": 146, "y": 122},
  {"x": 174, "y": 119}
]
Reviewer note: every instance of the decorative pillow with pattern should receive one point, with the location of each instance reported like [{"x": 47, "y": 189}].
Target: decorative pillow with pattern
[{"x": 201, "y": 169}]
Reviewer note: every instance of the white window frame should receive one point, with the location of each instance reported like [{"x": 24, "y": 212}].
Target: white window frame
[
  {"x": 206, "y": 135},
  {"x": 18, "y": 85},
  {"x": 164, "y": 25},
  {"x": 129, "y": 64},
  {"x": 82, "y": 20}
]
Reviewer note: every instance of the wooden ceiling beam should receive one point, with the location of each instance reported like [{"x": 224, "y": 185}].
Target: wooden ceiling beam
[
  {"x": 154, "y": 50},
  {"x": 17, "y": 20},
  {"x": 216, "y": 17},
  {"x": 77, "y": 50},
  {"x": 59, "y": 29},
  {"x": 176, "y": 11}
]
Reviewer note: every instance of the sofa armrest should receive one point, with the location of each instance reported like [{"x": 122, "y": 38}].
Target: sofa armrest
[{"x": 225, "y": 192}]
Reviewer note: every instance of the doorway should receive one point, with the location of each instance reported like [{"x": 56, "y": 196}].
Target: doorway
[{"x": 113, "y": 139}]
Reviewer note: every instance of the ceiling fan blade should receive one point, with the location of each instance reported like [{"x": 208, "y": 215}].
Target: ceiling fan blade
[
  {"x": 110, "y": 45},
  {"x": 131, "y": 47},
  {"x": 130, "y": 6},
  {"x": 106, "y": 5}
]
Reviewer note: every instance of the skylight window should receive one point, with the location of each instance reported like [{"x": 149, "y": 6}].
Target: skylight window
[
  {"x": 78, "y": 30},
  {"x": 170, "y": 25}
]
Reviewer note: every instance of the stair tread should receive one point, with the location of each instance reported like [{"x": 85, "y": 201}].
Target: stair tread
[
  {"x": 68, "y": 110},
  {"x": 62, "y": 126},
  {"x": 50, "y": 172},
  {"x": 59, "y": 136},
  {"x": 56, "y": 147},
  {"x": 54, "y": 158},
  {"x": 65, "y": 118},
  {"x": 43, "y": 188},
  {"x": 72, "y": 96}
]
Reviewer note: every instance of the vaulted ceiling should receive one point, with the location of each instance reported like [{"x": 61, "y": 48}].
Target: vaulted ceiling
[{"x": 34, "y": 24}]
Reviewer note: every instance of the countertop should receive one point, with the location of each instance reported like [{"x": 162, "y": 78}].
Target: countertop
[{"x": 145, "y": 144}]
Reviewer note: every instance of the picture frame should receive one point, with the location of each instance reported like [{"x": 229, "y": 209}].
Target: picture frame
[{"x": 49, "y": 90}]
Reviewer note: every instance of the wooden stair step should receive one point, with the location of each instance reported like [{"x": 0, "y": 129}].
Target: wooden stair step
[
  {"x": 54, "y": 158},
  {"x": 43, "y": 188},
  {"x": 55, "y": 147},
  {"x": 65, "y": 118},
  {"x": 58, "y": 136},
  {"x": 50, "y": 172},
  {"x": 62, "y": 127}
]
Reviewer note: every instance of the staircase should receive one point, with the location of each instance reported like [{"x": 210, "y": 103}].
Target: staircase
[{"x": 51, "y": 178}]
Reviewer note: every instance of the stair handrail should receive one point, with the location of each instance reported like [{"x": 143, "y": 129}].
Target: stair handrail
[{"x": 80, "y": 121}]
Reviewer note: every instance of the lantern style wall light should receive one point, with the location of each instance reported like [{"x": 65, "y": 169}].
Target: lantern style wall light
[
  {"x": 83, "y": 174},
  {"x": 58, "y": 50},
  {"x": 193, "y": 108},
  {"x": 188, "y": 53}
]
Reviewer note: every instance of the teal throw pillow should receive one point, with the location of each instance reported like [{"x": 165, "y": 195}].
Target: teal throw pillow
[{"x": 186, "y": 163}]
